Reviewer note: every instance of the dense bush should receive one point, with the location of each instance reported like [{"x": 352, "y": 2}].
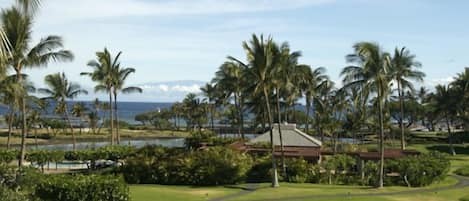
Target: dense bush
[
  {"x": 207, "y": 137},
  {"x": 213, "y": 166},
  {"x": 82, "y": 188},
  {"x": 300, "y": 171},
  {"x": 465, "y": 198},
  {"x": 424, "y": 169},
  {"x": 337, "y": 169},
  {"x": 463, "y": 171},
  {"x": 7, "y": 156},
  {"x": 11, "y": 195}
]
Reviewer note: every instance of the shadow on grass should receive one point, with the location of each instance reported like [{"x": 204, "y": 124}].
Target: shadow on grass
[{"x": 459, "y": 149}]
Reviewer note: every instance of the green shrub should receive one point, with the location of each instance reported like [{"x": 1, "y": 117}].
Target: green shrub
[
  {"x": 7, "y": 156},
  {"x": 82, "y": 188},
  {"x": 213, "y": 166},
  {"x": 300, "y": 171},
  {"x": 11, "y": 195},
  {"x": 423, "y": 170},
  {"x": 465, "y": 198},
  {"x": 463, "y": 171}
]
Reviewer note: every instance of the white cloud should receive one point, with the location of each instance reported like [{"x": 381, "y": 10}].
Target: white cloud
[
  {"x": 195, "y": 88},
  {"x": 88, "y": 9},
  {"x": 163, "y": 87}
]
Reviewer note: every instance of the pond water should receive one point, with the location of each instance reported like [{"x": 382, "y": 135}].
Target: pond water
[{"x": 165, "y": 142}]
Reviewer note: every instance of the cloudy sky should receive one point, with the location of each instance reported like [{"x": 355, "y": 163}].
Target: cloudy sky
[{"x": 173, "y": 40}]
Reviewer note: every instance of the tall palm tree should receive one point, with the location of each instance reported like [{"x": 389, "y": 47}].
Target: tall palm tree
[
  {"x": 17, "y": 25},
  {"x": 230, "y": 84},
  {"x": 403, "y": 72},
  {"x": 210, "y": 92},
  {"x": 372, "y": 75},
  {"x": 61, "y": 90},
  {"x": 445, "y": 100},
  {"x": 9, "y": 90},
  {"x": 310, "y": 82},
  {"x": 78, "y": 110},
  {"x": 261, "y": 62},
  {"x": 119, "y": 77},
  {"x": 103, "y": 75}
]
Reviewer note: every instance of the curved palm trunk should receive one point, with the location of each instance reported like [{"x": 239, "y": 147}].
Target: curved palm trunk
[
  {"x": 284, "y": 168},
  {"x": 450, "y": 137},
  {"x": 308, "y": 108},
  {"x": 241, "y": 116},
  {"x": 24, "y": 126},
  {"x": 10, "y": 125},
  {"x": 381, "y": 139},
  {"x": 67, "y": 117},
  {"x": 274, "y": 163},
  {"x": 401, "y": 105},
  {"x": 111, "y": 117},
  {"x": 118, "y": 137}
]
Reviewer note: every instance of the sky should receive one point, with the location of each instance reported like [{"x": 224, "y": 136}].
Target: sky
[{"x": 171, "y": 41}]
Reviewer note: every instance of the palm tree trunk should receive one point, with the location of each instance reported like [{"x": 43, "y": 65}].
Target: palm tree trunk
[
  {"x": 35, "y": 138},
  {"x": 284, "y": 168},
  {"x": 401, "y": 105},
  {"x": 237, "y": 111},
  {"x": 241, "y": 116},
  {"x": 67, "y": 117},
  {"x": 118, "y": 137},
  {"x": 381, "y": 139},
  {"x": 111, "y": 117},
  {"x": 212, "y": 111},
  {"x": 308, "y": 108},
  {"x": 450, "y": 137},
  {"x": 24, "y": 126},
  {"x": 10, "y": 122},
  {"x": 272, "y": 144}
]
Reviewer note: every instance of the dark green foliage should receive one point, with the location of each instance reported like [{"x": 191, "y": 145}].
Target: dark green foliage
[
  {"x": 260, "y": 170},
  {"x": 424, "y": 169},
  {"x": 207, "y": 137},
  {"x": 463, "y": 171},
  {"x": 11, "y": 195},
  {"x": 213, "y": 166},
  {"x": 7, "y": 156},
  {"x": 300, "y": 171},
  {"x": 82, "y": 188},
  {"x": 465, "y": 198}
]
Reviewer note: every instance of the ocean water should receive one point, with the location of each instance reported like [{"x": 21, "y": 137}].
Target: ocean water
[{"x": 126, "y": 110}]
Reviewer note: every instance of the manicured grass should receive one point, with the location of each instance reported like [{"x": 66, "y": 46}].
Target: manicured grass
[{"x": 169, "y": 193}]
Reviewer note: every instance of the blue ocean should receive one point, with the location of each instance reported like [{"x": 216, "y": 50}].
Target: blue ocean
[{"x": 126, "y": 110}]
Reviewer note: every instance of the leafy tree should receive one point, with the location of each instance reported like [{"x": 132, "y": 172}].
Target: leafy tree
[
  {"x": 17, "y": 24},
  {"x": 371, "y": 75},
  {"x": 403, "y": 70},
  {"x": 61, "y": 89}
]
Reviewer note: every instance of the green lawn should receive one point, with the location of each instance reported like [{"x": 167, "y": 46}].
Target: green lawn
[
  {"x": 288, "y": 190},
  {"x": 167, "y": 193}
]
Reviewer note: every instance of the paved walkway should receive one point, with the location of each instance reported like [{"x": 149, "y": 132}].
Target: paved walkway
[{"x": 462, "y": 182}]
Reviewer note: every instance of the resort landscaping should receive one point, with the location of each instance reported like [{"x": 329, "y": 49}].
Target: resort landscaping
[{"x": 266, "y": 127}]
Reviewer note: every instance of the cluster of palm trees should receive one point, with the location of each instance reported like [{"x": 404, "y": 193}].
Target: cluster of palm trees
[
  {"x": 17, "y": 53},
  {"x": 110, "y": 77},
  {"x": 271, "y": 80}
]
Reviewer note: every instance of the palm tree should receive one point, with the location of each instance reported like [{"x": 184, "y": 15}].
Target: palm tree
[
  {"x": 78, "y": 110},
  {"x": 210, "y": 92},
  {"x": 17, "y": 25},
  {"x": 261, "y": 62},
  {"x": 119, "y": 77},
  {"x": 104, "y": 75},
  {"x": 445, "y": 101},
  {"x": 229, "y": 83},
  {"x": 309, "y": 82},
  {"x": 403, "y": 72},
  {"x": 371, "y": 75},
  {"x": 61, "y": 90},
  {"x": 9, "y": 91}
]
